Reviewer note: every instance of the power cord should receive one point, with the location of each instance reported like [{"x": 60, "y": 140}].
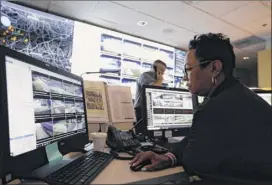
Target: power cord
[
  {"x": 136, "y": 124},
  {"x": 120, "y": 157},
  {"x": 152, "y": 141}
]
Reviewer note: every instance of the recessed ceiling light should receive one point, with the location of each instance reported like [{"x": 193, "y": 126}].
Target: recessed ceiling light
[
  {"x": 142, "y": 23},
  {"x": 245, "y": 58}
]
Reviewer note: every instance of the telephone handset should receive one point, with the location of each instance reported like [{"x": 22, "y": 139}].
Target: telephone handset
[
  {"x": 121, "y": 140},
  {"x": 155, "y": 69}
]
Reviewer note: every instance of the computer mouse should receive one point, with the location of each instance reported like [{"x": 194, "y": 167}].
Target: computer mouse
[{"x": 140, "y": 166}]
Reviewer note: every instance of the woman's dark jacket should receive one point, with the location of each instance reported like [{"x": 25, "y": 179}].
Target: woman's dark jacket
[{"x": 231, "y": 136}]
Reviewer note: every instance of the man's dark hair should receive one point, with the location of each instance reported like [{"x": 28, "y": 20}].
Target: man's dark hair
[
  {"x": 159, "y": 62},
  {"x": 214, "y": 46}
]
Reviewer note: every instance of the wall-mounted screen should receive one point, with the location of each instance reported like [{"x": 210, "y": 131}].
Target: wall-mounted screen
[
  {"x": 179, "y": 62},
  {"x": 40, "y": 35},
  {"x": 78, "y": 47}
]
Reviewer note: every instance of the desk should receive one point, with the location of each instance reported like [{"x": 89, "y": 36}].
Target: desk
[{"x": 118, "y": 172}]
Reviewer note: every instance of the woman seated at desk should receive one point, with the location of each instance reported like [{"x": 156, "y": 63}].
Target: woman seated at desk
[{"x": 231, "y": 135}]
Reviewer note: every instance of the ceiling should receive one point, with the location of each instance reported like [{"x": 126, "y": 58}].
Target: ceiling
[{"x": 175, "y": 22}]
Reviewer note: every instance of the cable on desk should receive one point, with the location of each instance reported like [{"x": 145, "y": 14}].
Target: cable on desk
[
  {"x": 117, "y": 155},
  {"x": 136, "y": 124}
]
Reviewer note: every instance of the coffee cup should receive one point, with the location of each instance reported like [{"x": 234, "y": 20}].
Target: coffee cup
[{"x": 99, "y": 141}]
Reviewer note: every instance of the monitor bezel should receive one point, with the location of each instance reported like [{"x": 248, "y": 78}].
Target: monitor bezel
[
  {"x": 181, "y": 131},
  {"x": 4, "y": 102}
]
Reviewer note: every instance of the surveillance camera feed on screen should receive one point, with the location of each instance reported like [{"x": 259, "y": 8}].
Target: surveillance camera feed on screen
[
  {"x": 50, "y": 106},
  {"x": 168, "y": 109}
]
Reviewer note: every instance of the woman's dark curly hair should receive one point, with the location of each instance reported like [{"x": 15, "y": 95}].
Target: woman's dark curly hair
[{"x": 214, "y": 46}]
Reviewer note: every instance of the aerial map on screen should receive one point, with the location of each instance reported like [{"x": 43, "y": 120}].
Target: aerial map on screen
[{"x": 37, "y": 34}]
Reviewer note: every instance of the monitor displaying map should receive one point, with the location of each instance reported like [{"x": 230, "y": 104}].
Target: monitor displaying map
[
  {"x": 40, "y": 35},
  {"x": 64, "y": 43}
]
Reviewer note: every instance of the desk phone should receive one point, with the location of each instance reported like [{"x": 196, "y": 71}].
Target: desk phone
[{"x": 121, "y": 140}]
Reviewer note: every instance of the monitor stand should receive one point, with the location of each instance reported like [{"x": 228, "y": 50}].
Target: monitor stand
[{"x": 53, "y": 153}]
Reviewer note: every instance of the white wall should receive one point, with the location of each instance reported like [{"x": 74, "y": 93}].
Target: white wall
[{"x": 86, "y": 50}]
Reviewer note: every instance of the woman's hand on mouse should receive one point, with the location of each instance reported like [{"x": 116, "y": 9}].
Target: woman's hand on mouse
[{"x": 158, "y": 162}]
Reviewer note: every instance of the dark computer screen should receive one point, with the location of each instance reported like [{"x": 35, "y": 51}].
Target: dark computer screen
[
  {"x": 168, "y": 108},
  {"x": 43, "y": 105}
]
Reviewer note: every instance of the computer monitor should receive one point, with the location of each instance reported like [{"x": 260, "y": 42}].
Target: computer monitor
[
  {"x": 265, "y": 94},
  {"x": 41, "y": 104},
  {"x": 167, "y": 110}
]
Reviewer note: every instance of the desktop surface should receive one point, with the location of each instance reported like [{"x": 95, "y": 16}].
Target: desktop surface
[{"x": 118, "y": 172}]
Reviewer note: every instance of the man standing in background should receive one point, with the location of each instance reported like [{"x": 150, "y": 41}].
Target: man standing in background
[{"x": 152, "y": 77}]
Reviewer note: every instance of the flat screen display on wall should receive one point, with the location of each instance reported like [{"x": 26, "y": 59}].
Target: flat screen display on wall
[
  {"x": 43, "y": 36},
  {"x": 78, "y": 47}
]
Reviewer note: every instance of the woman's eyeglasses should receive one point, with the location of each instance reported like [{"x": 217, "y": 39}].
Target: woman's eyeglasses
[{"x": 188, "y": 69}]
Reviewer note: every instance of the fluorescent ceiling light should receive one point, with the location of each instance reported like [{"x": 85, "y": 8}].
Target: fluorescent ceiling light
[{"x": 245, "y": 58}]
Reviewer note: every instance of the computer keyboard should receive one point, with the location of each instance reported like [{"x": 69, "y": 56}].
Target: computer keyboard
[{"x": 82, "y": 170}]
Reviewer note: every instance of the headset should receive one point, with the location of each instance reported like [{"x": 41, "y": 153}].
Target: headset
[{"x": 155, "y": 68}]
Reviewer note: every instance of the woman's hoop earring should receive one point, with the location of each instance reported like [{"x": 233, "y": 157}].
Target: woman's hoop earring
[{"x": 214, "y": 81}]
